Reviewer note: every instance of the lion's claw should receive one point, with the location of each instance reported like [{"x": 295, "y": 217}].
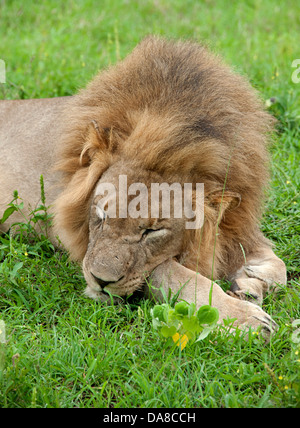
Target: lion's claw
[{"x": 260, "y": 321}]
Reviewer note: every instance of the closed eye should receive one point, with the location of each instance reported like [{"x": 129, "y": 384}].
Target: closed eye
[
  {"x": 154, "y": 233},
  {"x": 147, "y": 232}
]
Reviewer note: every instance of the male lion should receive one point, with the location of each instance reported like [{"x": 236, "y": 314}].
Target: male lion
[{"x": 170, "y": 112}]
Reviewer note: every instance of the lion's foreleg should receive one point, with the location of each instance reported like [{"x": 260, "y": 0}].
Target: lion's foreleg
[
  {"x": 262, "y": 272},
  {"x": 196, "y": 288}
]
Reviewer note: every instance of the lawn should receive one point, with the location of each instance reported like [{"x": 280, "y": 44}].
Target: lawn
[{"x": 65, "y": 350}]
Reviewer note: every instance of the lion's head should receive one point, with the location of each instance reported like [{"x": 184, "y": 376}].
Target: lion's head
[
  {"x": 122, "y": 252},
  {"x": 169, "y": 112}
]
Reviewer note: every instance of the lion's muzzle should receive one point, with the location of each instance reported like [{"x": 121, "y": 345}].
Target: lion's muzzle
[{"x": 105, "y": 282}]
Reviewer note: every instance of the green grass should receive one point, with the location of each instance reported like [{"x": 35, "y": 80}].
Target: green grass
[{"x": 64, "y": 350}]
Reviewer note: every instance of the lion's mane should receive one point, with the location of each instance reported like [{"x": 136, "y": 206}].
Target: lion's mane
[{"x": 178, "y": 110}]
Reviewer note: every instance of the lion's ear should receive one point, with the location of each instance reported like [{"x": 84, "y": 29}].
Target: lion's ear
[
  {"x": 96, "y": 141},
  {"x": 224, "y": 200}
]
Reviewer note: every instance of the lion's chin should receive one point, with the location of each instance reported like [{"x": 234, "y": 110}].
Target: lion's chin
[
  {"x": 125, "y": 290},
  {"x": 101, "y": 296},
  {"x": 115, "y": 294}
]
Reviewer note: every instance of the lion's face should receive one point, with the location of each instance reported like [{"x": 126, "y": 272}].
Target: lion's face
[{"x": 122, "y": 252}]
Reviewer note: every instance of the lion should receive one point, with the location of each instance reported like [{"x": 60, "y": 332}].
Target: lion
[{"x": 170, "y": 112}]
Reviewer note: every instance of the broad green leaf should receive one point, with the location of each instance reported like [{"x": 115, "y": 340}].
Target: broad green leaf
[
  {"x": 182, "y": 308},
  {"x": 171, "y": 316},
  {"x": 191, "y": 324},
  {"x": 168, "y": 331},
  {"x": 158, "y": 312},
  {"x": 207, "y": 315}
]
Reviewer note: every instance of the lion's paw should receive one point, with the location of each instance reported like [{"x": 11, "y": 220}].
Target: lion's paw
[
  {"x": 250, "y": 289},
  {"x": 258, "y": 320}
]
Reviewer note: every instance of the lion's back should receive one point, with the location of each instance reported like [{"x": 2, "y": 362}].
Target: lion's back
[{"x": 28, "y": 133}]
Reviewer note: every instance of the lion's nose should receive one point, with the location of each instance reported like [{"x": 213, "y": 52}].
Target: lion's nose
[{"x": 103, "y": 283}]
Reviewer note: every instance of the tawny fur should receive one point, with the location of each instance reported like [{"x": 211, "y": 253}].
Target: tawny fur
[{"x": 176, "y": 109}]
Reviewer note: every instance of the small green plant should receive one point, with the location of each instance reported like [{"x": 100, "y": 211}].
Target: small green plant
[
  {"x": 182, "y": 324},
  {"x": 12, "y": 207},
  {"x": 26, "y": 239},
  {"x": 38, "y": 217}
]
